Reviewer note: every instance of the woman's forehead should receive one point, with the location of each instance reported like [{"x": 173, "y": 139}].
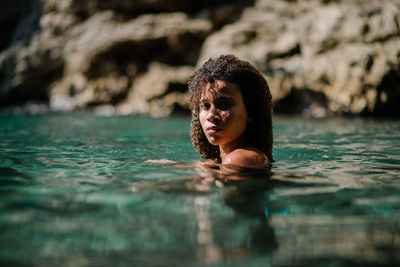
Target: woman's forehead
[{"x": 219, "y": 88}]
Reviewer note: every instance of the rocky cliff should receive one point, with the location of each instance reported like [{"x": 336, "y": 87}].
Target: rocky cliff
[{"x": 320, "y": 57}]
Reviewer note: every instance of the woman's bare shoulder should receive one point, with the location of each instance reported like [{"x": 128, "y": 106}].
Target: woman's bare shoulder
[{"x": 247, "y": 157}]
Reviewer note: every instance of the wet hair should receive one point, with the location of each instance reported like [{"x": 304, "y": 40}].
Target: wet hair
[{"x": 256, "y": 97}]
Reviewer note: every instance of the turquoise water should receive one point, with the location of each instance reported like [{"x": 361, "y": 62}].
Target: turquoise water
[{"x": 75, "y": 191}]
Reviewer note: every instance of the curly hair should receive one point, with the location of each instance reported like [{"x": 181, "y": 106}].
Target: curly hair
[{"x": 256, "y": 97}]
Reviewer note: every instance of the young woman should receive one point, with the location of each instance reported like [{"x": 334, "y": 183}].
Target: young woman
[{"x": 231, "y": 114}]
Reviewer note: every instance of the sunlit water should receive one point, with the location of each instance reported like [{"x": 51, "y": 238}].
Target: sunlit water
[{"x": 75, "y": 191}]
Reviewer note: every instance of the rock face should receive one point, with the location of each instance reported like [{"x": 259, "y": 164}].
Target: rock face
[
  {"x": 19, "y": 19},
  {"x": 106, "y": 56},
  {"x": 167, "y": 95},
  {"x": 89, "y": 53},
  {"x": 320, "y": 57}
]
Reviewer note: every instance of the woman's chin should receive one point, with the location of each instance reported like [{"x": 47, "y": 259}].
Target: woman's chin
[{"x": 213, "y": 140}]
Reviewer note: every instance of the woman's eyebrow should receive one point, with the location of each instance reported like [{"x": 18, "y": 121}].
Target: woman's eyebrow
[
  {"x": 224, "y": 98},
  {"x": 220, "y": 98}
]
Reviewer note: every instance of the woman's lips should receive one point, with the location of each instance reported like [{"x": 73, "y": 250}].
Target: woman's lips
[{"x": 213, "y": 129}]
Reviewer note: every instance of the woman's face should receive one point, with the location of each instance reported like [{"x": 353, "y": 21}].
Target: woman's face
[{"x": 223, "y": 115}]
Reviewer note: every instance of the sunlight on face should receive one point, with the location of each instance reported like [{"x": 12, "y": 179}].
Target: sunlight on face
[{"x": 223, "y": 115}]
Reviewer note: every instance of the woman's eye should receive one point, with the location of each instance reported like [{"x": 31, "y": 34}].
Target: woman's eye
[
  {"x": 205, "y": 106},
  {"x": 224, "y": 105}
]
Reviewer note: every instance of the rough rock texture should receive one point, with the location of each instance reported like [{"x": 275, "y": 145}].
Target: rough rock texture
[
  {"x": 18, "y": 20},
  {"x": 89, "y": 53},
  {"x": 320, "y": 57},
  {"x": 105, "y": 57},
  {"x": 168, "y": 92},
  {"x": 129, "y": 8}
]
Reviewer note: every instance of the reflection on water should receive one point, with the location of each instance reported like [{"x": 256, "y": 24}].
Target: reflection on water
[
  {"x": 75, "y": 190},
  {"x": 243, "y": 198},
  {"x": 207, "y": 249}
]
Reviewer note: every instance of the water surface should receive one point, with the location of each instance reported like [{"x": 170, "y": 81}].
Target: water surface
[{"x": 74, "y": 190}]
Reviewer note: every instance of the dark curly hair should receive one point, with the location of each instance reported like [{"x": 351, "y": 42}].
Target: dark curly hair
[{"x": 256, "y": 97}]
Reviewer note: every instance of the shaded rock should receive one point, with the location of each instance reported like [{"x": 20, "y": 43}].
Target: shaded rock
[
  {"x": 104, "y": 56},
  {"x": 306, "y": 102},
  {"x": 87, "y": 53},
  {"x": 159, "y": 92},
  {"x": 28, "y": 71},
  {"x": 129, "y": 8},
  {"x": 76, "y": 65},
  {"x": 18, "y": 20},
  {"x": 343, "y": 50},
  {"x": 320, "y": 57},
  {"x": 169, "y": 38},
  {"x": 76, "y": 91}
]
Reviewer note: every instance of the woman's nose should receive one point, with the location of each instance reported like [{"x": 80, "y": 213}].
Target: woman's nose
[{"x": 213, "y": 114}]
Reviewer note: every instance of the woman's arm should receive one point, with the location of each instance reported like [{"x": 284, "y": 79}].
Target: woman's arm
[
  {"x": 168, "y": 162},
  {"x": 210, "y": 170}
]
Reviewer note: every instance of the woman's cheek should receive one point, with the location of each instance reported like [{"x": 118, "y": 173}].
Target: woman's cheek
[
  {"x": 202, "y": 118},
  {"x": 225, "y": 116}
]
